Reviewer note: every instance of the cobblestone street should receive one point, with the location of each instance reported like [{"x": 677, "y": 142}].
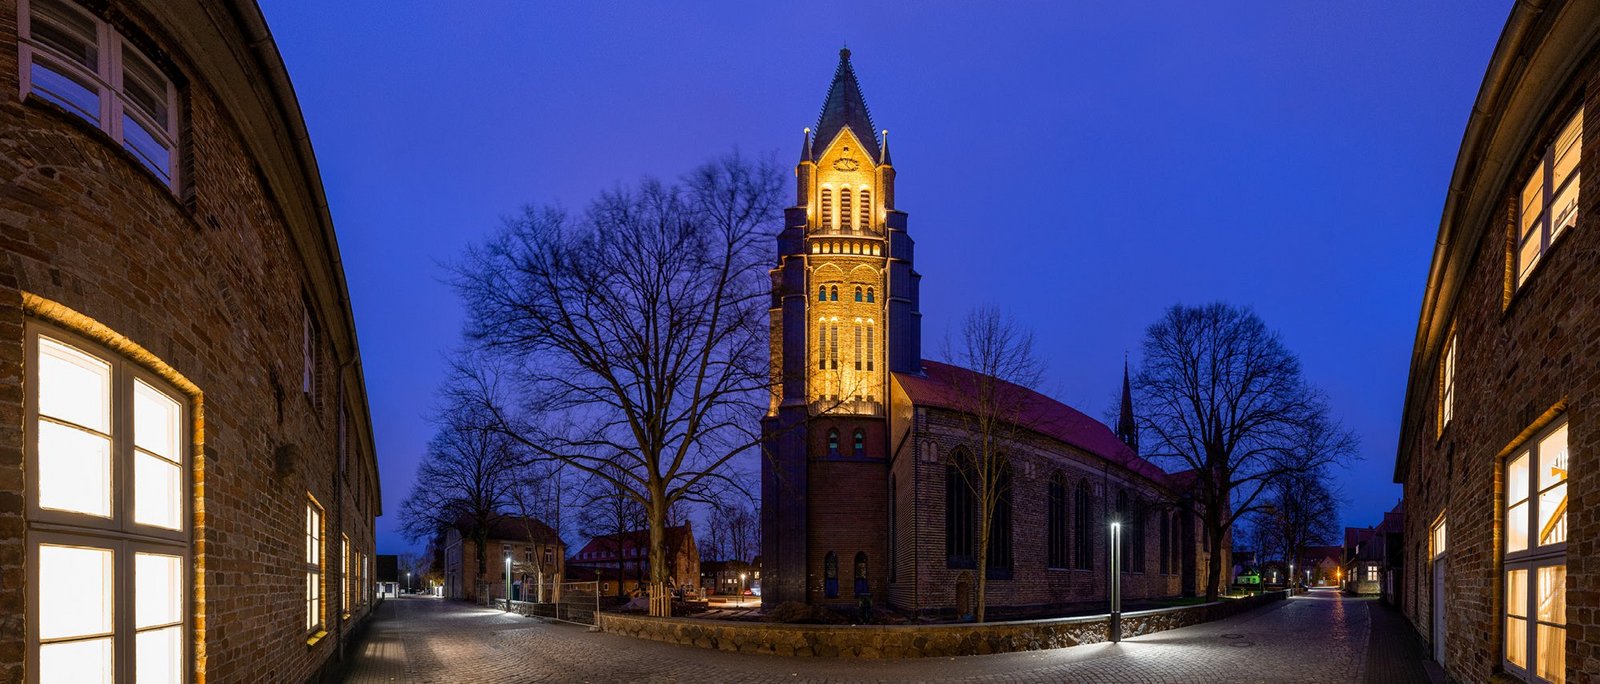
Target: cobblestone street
[{"x": 1318, "y": 638}]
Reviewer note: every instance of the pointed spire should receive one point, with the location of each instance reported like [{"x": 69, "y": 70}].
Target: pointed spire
[
  {"x": 886, "y": 161},
  {"x": 1127, "y": 431},
  {"x": 843, "y": 108},
  {"x": 805, "y": 148}
]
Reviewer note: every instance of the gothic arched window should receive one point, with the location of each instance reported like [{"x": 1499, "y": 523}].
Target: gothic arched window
[
  {"x": 858, "y": 293},
  {"x": 999, "y": 552},
  {"x": 866, "y": 210},
  {"x": 1083, "y": 555},
  {"x": 844, "y": 209},
  {"x": 1137, "y": 539},
  {"x": 861, "y": 574},
  {"x": 822, "y": 293},
  {"x": 830, "y": 575},
  {"x": 869, "y": 295},
  {"x": 1122, "y": 517},
  {"x": 871, "y": 350},
  {"x": 1056, "y": 543},
  {"x": 827, "y": 209},
  {"x": 861, "y": 442},
  {"x": 833, "y": 441},
  {"x": 833, "y": 293},
  {"x": 822, "y": 347},
  {"x": 959, "y": 513}
]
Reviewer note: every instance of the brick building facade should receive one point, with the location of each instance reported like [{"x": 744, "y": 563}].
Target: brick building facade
[
  {"x": 183, "y": 417},
  {"x": 856, "y": 492},
  {"x": 621, "y": 562},
  {"x": 1501, "y": 404},
  {"x": 538, "y": 556}
]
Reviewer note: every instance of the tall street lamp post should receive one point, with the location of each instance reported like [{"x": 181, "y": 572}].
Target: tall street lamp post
[
  {"x": 1116, "y": 582},
  {"x": 508, "y": 583}
]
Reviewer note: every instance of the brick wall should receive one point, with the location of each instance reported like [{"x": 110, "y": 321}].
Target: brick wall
[
  {"x": 926, "y": 583},
  {"x": 1519, "y": 361},
  {"x": 212, "y": 288}
]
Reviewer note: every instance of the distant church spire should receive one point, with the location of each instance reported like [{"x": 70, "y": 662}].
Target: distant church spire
[{"x": 1126, "y": 430}]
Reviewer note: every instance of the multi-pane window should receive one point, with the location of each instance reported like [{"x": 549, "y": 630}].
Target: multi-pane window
[
  {"x": 866, "y": 209},
  {"x": 108, "y": 551},
  {"x": 960, "y": 516},
  {"x": 344, "y": 574},
  {"x": 1437, "y": 539},
  {"x": 313, "y": 567},
  {"x": 1082, "y": 552},
  {"x": 76, "y": 61},
  {"x": 1056, "y": 528},
  {"x": 833, "y": 347},
  {"x": 311, "y": 340},
  {"x": 1166, "y": 541},
  {"x": 827, "y": 209},
  {"x": 858, "y": 342},
  {"x": 871, "y": 350},
  {"x": 1447, "y": 383},
  {"x": 1548, "y": 203},
  {"x": 1536, "y": 556}
]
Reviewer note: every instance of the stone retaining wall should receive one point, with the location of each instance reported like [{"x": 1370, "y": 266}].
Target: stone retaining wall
[{"x": 916, "y": 641}]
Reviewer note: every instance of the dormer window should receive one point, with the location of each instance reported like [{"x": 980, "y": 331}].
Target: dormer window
[{"x": 78, "y": 62}]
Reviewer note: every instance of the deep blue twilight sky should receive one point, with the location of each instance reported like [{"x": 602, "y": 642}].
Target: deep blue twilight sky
[{"x": 1083, "y": 165}]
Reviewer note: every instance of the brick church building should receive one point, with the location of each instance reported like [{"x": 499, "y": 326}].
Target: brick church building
[
  {"x": 860, "y": 492},
  {"x": 187, "y": 473},
  {"x": 1503, "y": 399}
]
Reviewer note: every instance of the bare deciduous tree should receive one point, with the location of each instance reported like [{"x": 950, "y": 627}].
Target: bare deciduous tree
[
  {"x": 465, "y": 480},
  {"x": 1299, "y": 511},
  {"x": 1220, "y": 394},
  {"x": 992, "y": 401},
  {"x": 630, "y": 343},
  {"x": 735, "y": 531}
]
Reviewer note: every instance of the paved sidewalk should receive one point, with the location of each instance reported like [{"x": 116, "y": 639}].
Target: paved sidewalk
[{"x": 1318, "y": 638}]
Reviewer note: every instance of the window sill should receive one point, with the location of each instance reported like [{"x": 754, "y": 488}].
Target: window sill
[{"x": 316, "y": 636}]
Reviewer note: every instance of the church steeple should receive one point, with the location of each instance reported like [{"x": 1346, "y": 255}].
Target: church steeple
[
  {"x": 845, "y": 108},
  {"x": 1127, "y": 431}
]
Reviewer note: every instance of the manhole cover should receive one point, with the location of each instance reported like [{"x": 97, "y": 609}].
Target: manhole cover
[
  {"x": 1242, "y": 644},
  {"x": 1233, "y": 636}
]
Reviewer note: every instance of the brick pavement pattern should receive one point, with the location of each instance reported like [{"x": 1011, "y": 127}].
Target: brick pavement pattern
[{"x": 1318, "y": 638}]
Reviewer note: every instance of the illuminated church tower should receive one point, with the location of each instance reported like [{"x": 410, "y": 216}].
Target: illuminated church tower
[{"x": 844, "y": 316}]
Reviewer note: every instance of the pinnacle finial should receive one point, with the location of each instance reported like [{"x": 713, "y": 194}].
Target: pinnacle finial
[
  {"x": 805, "y": 146},
  {"x": 844, "y": 53}
]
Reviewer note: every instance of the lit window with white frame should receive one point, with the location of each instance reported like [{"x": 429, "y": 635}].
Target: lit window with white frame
[
  {"x": 75, "y": 60},
  {"x": 1437, "y": 539},
  {"x": 344, "y": 574},
  {"x": 108, "y": 507},
  {"x": 313, "y": 565},
  {"x": 1548, "y": 203},
  {"x": 1447, "y": 383},
  {"x": 1535, "y": 536}
]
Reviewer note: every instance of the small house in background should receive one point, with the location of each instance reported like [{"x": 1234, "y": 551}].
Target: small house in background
[
  {"x": 531, "y": 550},
  {"x": 1320, "y": 565},
  {"x": 621, "y": 562},
  {"x": 388, "y": 575},
  {"x": 729, "y": 578},
  {"x": 1373, "y": 557}
]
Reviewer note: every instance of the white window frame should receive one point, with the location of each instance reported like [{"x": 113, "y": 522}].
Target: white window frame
[
  {"x": 1532, "y": 558},
  {"x": 107, "y": 83},
  {"x": 119, "y": 533},
  {"x": 1438, "y": 538},
  {"x": 1544, "y": 228},
  {"x": 1447, "y": 381},
  {"x": 316, "y": 596}
]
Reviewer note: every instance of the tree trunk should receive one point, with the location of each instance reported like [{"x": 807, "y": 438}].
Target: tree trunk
[
  {"x": 660, "y": 596},
  {"x": 980, "y": 604},
  {"x": 1214, "y": 563}
]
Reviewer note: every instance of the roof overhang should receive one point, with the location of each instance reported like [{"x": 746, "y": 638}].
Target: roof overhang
[{"x": 1539, "y": 52}]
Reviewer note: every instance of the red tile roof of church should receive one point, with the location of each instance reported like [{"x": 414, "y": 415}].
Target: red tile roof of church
[{"x": 940, "y": 386}]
